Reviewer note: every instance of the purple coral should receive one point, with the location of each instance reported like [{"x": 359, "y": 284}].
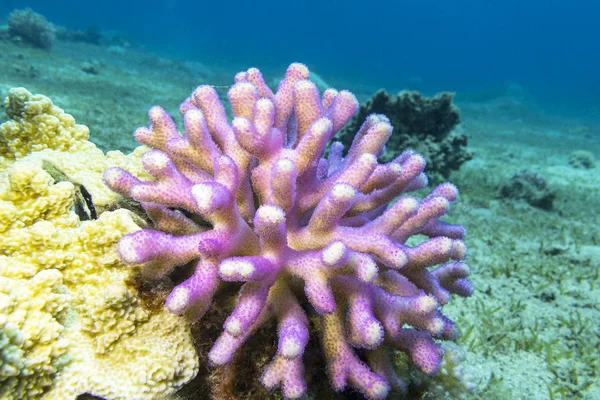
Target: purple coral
[{"x": 253, "y": 201}]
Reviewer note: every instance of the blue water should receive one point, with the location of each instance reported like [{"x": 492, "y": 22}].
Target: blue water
[{"x": 549, "y": 47}]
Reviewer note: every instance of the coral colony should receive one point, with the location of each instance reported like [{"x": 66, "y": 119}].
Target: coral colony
[{"x": 253, "y": 201}]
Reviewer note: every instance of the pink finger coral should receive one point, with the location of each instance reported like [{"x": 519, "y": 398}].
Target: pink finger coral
[{"x": 253, "y": 201}]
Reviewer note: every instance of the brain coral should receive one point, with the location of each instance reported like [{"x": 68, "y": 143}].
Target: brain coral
[
  {"x": 310, "y": 238},
  {"x": 70, "y": 321}
]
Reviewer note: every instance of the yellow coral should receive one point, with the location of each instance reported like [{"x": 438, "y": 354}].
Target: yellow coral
[
  {"x": 116, "y": 312},
  {"x": 27, "y": 195},
  {"x": 32, "y": 349},
  {"x": 43, "y": 131},
  {"x": 35, "y": 124},
  {"x": 69, "y": 321}
]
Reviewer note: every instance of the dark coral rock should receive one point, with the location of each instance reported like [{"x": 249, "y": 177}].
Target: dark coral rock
[
  {"x": 582, "y": 159},
  {"x": 421, "y": 123},
  {"x": 530, "y": 187},
  {"x": 31, "y": 28},
  {"x": 90, "y": 67}
]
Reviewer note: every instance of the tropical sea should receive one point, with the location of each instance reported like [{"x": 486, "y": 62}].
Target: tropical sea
[
  {"x": 465, "y": 46},
  {"x": 523, "y": 150}
]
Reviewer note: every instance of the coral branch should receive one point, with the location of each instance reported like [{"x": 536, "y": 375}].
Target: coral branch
[{"x": 255, "y": 201}]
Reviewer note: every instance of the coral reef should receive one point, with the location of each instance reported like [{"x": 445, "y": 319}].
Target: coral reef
[
  {"x": 530, "y": 187},
  {"x": 71, "y": 320},
  {"x": 31, "y": 27},
  {"x": 310, "y": 240},
  {"x": 420, "y": 123},
  {"x": 582, "y": 159}
]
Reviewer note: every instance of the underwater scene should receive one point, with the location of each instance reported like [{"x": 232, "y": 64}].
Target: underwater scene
[{"x": 324, "y": 200}]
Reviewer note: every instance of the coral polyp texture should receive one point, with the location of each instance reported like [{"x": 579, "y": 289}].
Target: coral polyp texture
[
  {"x": 71, "y": 321},
  {"x": 311, "y": 238}
]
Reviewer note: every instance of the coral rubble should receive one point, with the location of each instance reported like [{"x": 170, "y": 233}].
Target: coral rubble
[
  {"x": 582, "y": 159},
  {"x": 530, "y": 187}
]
